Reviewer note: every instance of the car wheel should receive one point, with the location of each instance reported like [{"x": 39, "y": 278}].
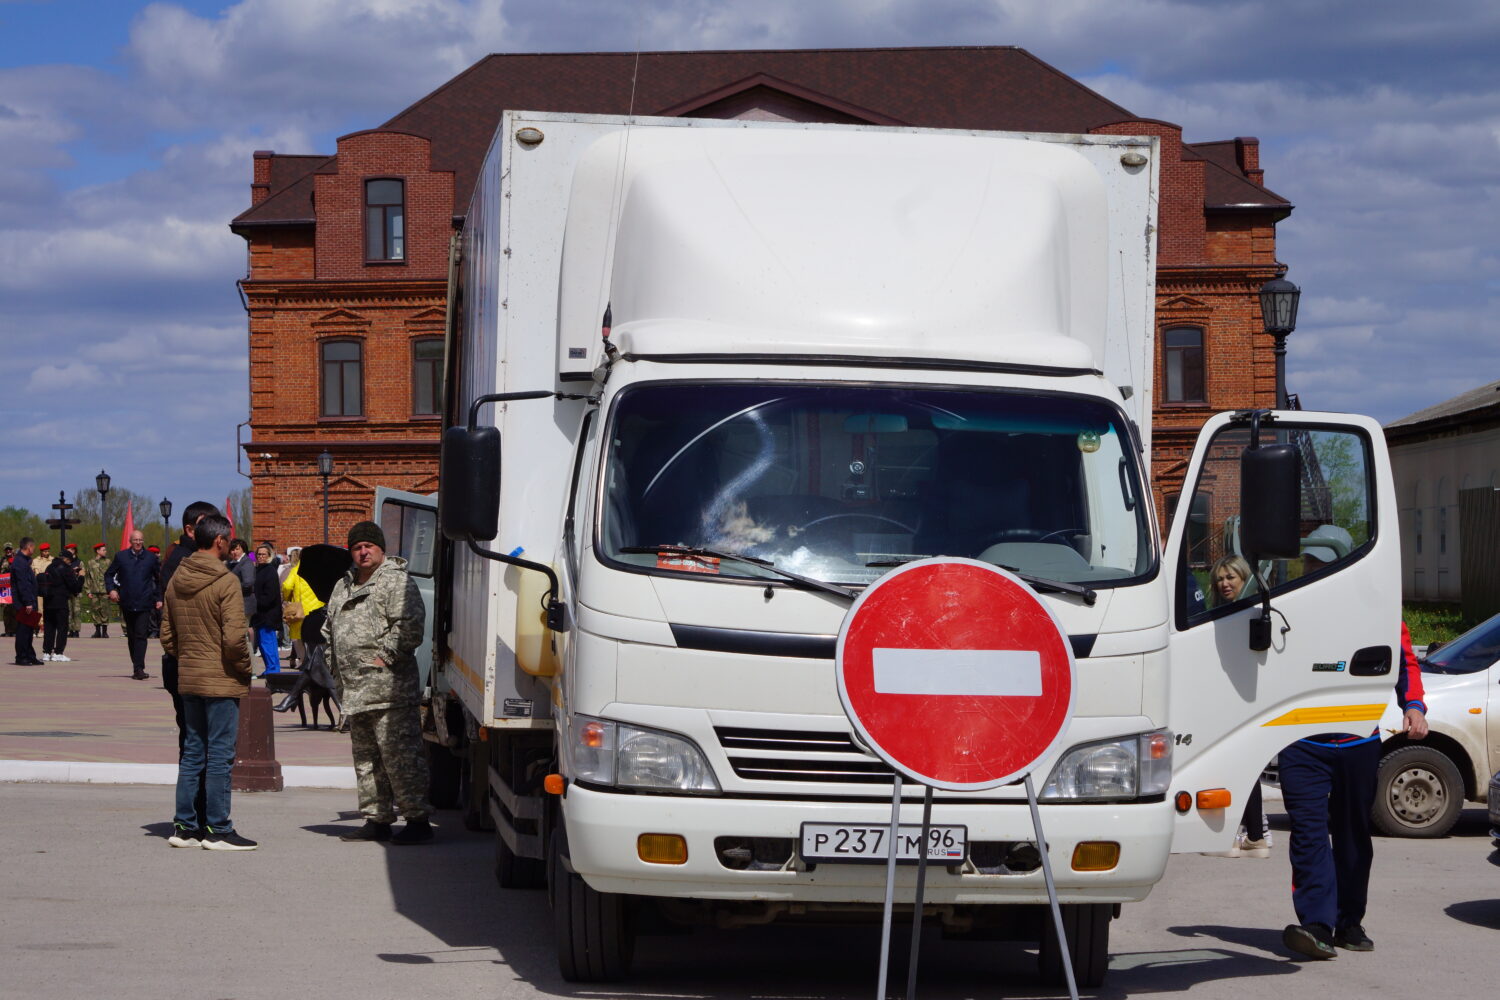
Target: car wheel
[
  {"x": 592, "y": 930},
  {"x": 1087, "y": 928},
  {"x": 1419, "y": 793},
  {"x": 515, "y": 872}
]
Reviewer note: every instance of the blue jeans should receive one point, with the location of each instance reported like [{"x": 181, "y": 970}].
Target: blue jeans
[
  {"x": 268, "y": 640},
  {"x": 208, "y": 751}
]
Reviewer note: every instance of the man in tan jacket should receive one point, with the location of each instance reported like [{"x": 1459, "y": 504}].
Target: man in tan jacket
[{"x": 203, "y": 628}]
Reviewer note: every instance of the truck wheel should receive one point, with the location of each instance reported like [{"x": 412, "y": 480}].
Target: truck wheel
[
  {"x": 1087, "y": 928},
  {"x": 1419, "y": 793},
  {"x": 445, "y": 776},
  {"x": 515, "y": 872},
  {"x": 595, "y": 942}
]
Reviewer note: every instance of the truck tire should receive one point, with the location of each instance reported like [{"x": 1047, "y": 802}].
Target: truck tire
[
  {"x": 1087, "y": 928},
  {"x": 444, "y": 777},
  {"x": 515, "y": 872},
  {"x": 595, "y": 941},
  {"x": 1419, "y": 793}
]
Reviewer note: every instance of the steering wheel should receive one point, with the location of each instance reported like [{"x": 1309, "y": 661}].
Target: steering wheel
[
  {"x": 1025, "y": 535},
  {"x": 869, "y": 517}
]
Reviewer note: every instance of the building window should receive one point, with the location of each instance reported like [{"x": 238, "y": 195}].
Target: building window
[
  {"x": 385, "y": 220},
  {"x": 427, "y": 376},
  {"x": 343, "y": 378},
  {"x": 1182, "y": 353}
]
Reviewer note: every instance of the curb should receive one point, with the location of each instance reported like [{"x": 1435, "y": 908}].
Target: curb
[{"x": 106, "y": 773}]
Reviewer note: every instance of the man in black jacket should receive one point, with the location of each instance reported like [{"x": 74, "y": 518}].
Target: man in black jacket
[
  {"x": 58, "y": 586},
  {"x": 134, "y": 583},
  {"x": 23, "y": 599}
]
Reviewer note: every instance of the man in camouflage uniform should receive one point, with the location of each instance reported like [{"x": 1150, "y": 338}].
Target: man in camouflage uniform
[
  {"x": 96, "y": 593},
  {"x": 75, "y": 603},
  {"x": 374, "y": 626}
]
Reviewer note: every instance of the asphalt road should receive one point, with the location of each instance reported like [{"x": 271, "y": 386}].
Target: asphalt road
[{"x": 95, "y": 904}]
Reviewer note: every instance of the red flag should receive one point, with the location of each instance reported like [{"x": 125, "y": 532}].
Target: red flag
[
  {"x": 229, "y": 515},
  {"x": 129, "y": 526}
]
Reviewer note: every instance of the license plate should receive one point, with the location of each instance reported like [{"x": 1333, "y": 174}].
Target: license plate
[{"x": 871, "y": 842}]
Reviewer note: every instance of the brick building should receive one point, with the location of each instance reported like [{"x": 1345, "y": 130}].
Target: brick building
[{"x": 348, "y": 253}]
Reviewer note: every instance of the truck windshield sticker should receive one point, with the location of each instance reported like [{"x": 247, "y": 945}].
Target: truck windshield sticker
[{"x": 687, "y": 564}]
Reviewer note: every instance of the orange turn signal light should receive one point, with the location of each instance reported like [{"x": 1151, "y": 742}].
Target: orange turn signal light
[
  {"x": 554, "y": 784},
  {"x": 661, "y": 848},
  {"x": 1184, "y": 801},
  {"x": 1214, "y": 798},
  {"x": 1096, "y": 856}
]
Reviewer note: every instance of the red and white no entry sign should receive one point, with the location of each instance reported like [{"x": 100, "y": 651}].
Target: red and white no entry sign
[{"x": 955, "y": 673}]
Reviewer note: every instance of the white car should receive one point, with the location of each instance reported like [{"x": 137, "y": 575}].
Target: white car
[{"x": 1423, "y": 783}]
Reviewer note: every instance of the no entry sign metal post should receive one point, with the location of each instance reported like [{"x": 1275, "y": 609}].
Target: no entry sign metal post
[{"x": 954, "y": 673}]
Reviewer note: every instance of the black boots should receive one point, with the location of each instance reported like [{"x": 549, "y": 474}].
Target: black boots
[
  {"x": 370, "y": 831},
  {"x": 416, "y": 831},
  {"x": 287, "y": 704}
]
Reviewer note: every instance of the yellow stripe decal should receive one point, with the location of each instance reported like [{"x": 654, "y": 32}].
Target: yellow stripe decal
[
  {"x": 463, "y": 668},
  {"x": 1333, "y": 713}
]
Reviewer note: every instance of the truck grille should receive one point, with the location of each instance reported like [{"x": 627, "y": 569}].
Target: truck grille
[{"x": 799, "y": 755}]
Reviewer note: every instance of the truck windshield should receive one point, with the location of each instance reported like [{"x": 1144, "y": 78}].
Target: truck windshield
[{"x": 840, "y": 483}]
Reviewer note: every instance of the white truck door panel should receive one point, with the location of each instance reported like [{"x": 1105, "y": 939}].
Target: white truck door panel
[
  {"x": 1335, "y": 635},
  {"x": 409, "y": 521}
]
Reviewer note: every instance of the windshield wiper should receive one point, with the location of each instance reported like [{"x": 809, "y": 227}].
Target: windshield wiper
[
  {"x": 1088, "y": 594},
  {"x": 693, "y": 550}
]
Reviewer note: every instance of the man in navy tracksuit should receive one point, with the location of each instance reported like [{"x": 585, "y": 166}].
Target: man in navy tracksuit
[{"x": 1328, "y": 786}]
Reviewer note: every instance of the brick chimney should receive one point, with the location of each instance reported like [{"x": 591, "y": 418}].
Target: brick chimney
[
  {"x": 1247, "y": 154},
  {"x": 260, "y": 185}
]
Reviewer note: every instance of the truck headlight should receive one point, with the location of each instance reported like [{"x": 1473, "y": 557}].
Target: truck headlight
[
  {"x": 613, "y": 753},
  {"x": 1116, "y": 770}
]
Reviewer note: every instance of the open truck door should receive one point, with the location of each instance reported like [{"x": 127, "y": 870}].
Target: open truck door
[
  {"x": 1310, "y": 643},
  {"x": 409, "y": 521}
]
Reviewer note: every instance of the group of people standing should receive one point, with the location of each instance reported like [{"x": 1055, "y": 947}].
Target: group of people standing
[{"x": 52, "y": 595}]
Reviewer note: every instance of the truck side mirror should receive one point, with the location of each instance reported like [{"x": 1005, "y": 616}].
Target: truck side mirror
[
  {"x": 1271, "y": 502},
  {"x": 469, "y": 476}
]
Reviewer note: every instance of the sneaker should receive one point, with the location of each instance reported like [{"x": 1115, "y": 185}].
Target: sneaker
[
  {"x": 1255, "y": 848},
  {"x": 185, "y": 837},
  {"x": 416, "y": 831},
  {"x": 59, "y": 658},
  {"x": 1353, "y": 938},
  {"x": 230, "y": 841},
  {"x": 1311, "y": 940},
  {"x": 370, "y": 831},
  {"x": 46, "y": 657},
  {"x": 140, "y": 675}
]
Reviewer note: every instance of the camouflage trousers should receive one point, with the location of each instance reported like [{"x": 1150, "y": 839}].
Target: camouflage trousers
[
  {"x": 98, "y": 609},
  {"x": 74, "y": 618},
  {"x": 390, "y": 763}
]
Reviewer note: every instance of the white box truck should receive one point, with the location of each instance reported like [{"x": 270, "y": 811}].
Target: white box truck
[{"x": 740, "y": 370}]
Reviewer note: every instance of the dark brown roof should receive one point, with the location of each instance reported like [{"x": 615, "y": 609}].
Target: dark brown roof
[
  {"x": 982, "y": 87},
  {"x": 1225, "y": 184}
]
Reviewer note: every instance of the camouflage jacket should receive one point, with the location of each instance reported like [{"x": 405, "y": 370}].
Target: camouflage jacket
[
  {"x": 93, "y": 576},
  {"x": 378, "y": 619}
]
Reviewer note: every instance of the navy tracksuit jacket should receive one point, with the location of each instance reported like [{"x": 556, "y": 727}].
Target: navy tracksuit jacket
[{"x": 1328, "y": 787}]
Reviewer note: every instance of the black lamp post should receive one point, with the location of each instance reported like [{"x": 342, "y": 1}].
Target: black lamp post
[
  {"x": 325, "y": 469},
  {"x": 166, "y": 518},
  {"x": 1278, "y": 311},
  {"x": 101, "y": 483}
]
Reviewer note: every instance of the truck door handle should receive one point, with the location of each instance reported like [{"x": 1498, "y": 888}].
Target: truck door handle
[{"x": 1372, "y": 661}]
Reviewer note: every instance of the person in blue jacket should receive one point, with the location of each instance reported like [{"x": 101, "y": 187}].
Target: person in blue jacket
[
  {"x": 1328, "y": 786},
  {"x": 23, "y": 597},
  {"x": 134, "y": 582}
]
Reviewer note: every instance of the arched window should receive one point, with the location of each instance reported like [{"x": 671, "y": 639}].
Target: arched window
[
  {"x": 385, "y": 220},
  {"x": 1182, "y": 359},
  {"x": 343, "y": 378},
  {"x": 426, "y": 376}
]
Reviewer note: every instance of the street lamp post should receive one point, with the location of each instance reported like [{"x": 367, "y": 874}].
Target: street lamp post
[
  {"x": 166, "y": 522},
  {"x": 325, "y": 469},
  {"x": 1278, "y": 311},
  {"x": 101, "y": 483}
]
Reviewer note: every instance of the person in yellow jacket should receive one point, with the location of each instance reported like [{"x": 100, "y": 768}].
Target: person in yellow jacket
[{"x": 296, "y": 590}]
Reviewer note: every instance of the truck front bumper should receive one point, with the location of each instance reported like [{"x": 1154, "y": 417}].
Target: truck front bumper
[{"x": 603, "y": 827}]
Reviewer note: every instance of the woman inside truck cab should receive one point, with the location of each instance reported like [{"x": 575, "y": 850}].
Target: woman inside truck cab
[{"x": 1229, "y": 578}]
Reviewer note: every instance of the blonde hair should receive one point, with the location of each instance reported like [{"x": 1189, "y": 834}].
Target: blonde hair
[{"x": 1235, "y": 564}]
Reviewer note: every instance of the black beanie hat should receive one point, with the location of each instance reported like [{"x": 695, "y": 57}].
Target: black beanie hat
[{"x": 366, "y": 531}]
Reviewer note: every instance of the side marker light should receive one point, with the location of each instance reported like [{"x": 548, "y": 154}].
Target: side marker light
[{"x": 1214, "y": 798}]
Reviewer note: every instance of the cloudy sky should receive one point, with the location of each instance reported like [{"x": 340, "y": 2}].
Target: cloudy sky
[{"x": 126, "y": 131}]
